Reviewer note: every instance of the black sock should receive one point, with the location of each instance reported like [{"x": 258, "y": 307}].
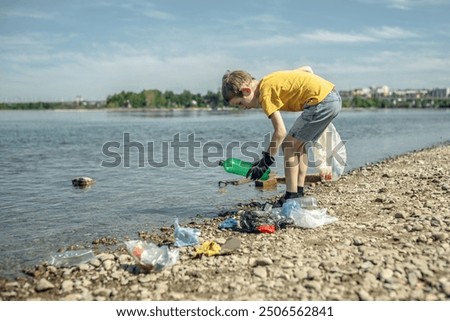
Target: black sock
[
  {"x": 289, "y": 195},
  {"x": 300, "y": 191}
]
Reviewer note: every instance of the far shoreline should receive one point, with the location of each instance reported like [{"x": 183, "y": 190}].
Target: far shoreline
[{"x": 205, "y": 109}]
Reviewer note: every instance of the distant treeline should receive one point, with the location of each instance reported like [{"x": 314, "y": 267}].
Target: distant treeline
[
  {"x": 392, "y": 102},
  {"x": 34, "y": 105},
  {"x": 156, "y": 99}
]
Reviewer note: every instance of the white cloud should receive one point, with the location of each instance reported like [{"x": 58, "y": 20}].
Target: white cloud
[
  {"x": 407, "y": 4},
  {"x": 29, "y": 13},
  {"x": 276, "y": 40},
  {"x": 31, "y": 42},
  {"x": 386, "y": 32},
  {"x": 370, "y": 35},
  {"x": 94, "y": 76},
  {"x": 400, "y": 4},
  {"x": 419, "y": 69},
  {"x": 331, "y": 36},
  {"x": 156, "y": 14},
  {"x": 147, "y": 9}
]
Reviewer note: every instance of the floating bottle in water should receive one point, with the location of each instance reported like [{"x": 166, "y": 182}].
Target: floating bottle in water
[{"x": 240, "y": 167}]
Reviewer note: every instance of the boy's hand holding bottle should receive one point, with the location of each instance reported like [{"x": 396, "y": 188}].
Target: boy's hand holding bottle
[{"x": 260, "y": 167}]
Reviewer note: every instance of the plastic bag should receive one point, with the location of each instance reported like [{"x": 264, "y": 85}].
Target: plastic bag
[
  {"x": 230, "y": 223},
  {"x": 185, "y": 236},
  {"x": 289, "y": 207},
  {"x": 308, "y": 202},
  {"x": 251, "y": 221},
  {"x": 151, "y": 256},
  {"x": 328, "y": 156},
  {"x": 71, "y": 258},
  {"x": 306, "y": 217}
]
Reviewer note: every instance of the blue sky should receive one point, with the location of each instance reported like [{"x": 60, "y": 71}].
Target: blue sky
[{"x": 54, "y": 50}]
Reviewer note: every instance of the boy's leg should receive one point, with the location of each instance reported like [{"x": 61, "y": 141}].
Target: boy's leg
[
  {"x": 303, "y": 168},
  {"x": 308, "y": 128},
  {"x": 294, "y": 167}
]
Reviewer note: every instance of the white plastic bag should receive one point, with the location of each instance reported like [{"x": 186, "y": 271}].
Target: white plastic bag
[
  {"x": 185, "y": 236},
  {"x": 306, "y": 217},
  {"x": 71, "y": 258},
  {"x": 328, "y": 156},
  {"x": 151, "y": 256}
]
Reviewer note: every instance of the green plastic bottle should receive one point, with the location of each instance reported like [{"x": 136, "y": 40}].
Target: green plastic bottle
[{"x": 239, "y": 167}]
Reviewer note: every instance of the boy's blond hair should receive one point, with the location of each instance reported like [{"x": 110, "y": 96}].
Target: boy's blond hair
[{"x": 232, "y": 82}]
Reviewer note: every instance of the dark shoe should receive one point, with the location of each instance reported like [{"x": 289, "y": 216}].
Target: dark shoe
[{"x": 286, "y": 196}]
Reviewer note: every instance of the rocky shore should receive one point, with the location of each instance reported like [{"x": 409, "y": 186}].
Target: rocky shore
[{"x": 391, "y": 242}]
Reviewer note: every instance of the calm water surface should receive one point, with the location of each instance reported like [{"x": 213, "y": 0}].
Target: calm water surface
[{"x": 41, "y": 151}]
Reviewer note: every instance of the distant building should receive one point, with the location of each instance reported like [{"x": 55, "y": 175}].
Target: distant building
[
  {"x": 411, "y": 93},
  {"x": 440, "y": 93},
  {"x": 79, "y": 100},
  {"x": 363, "y": 92},
  {"x": 382, "y": 91},
  {"x": 345, "y": 94}
]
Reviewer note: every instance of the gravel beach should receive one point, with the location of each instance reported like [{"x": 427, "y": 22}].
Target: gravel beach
[{"x": 391, "y": 242}]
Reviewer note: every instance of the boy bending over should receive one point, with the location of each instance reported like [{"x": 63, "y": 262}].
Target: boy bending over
[{"x": 293, "y": 91}]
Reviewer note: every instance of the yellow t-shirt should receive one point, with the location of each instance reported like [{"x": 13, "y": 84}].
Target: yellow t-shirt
[{"x": 290, "y": 90}]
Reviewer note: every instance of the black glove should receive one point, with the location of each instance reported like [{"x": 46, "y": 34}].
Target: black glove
[{"x": 259, "y": 168}]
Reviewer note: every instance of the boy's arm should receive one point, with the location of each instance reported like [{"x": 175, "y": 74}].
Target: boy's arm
[
  {"x": 259, "y": 168},
  {"x": 278, "y": 135},
  {"x": 305, "y": 68}
]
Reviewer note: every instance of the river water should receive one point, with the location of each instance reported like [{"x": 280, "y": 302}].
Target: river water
[{"x": 151, "y": 167}]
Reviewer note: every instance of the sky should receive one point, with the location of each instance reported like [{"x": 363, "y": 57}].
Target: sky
[{"x": 58, "y": 50}]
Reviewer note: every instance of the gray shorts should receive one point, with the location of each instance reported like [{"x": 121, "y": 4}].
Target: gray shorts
[{"x": 315, "y": 119}]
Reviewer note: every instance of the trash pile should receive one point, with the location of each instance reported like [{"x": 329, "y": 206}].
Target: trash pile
[
  {"x": 300, "y": 212},
  {"x": 152, "y": 257}
]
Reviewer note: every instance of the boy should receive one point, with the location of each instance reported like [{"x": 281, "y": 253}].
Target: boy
[{"x": 289, "y": 90}]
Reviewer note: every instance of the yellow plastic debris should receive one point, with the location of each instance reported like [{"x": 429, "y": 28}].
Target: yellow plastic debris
[{"x": 208, "y": 248}]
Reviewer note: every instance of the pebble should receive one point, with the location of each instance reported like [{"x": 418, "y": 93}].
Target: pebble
[
  {"x": 364, "y": 296},
  {"x": 314, "y": 274},
  {"x": 260, "y": 272},
  {"x": 446, "y": 288},
  {"x": 44, "y": 285},
  {"x": 108, "y": 264},
  {"x": 413, "y": 279},
  {"x": 261, "y": 261},
  {"x": 400, "y": 214}
]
